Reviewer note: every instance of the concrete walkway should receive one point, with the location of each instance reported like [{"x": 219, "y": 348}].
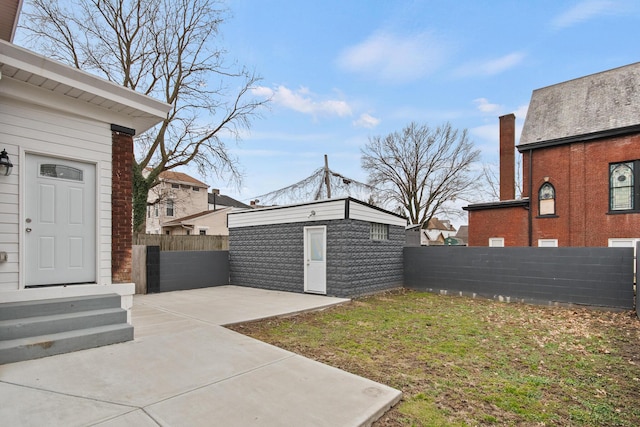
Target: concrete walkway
[{"x": 184, "y": 369}]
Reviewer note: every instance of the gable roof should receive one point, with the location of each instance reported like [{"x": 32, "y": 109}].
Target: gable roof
[
  {"x": 188, "y": 218},
  {"x": 594, "y": 106},
  {"x": 436, "y": 224},
  {"x": 181, "y": 178},
  {"x": 222, "y": 200}
]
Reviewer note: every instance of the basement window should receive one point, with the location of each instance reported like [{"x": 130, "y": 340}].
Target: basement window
[{"x": 379, "y": 231}]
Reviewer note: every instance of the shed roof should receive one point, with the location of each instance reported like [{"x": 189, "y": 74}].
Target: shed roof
[
  {"x": 593, "y": 106},
  {"x": 316, "y": 211}
]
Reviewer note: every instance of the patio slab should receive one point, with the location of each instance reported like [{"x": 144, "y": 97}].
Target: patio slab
[{"x": 183, "y": 368}]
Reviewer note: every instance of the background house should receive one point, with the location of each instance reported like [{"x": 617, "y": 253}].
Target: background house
[
  {"x": 66, "y": 211},
  {"x": 581, "y": 163},
  {"x": 180, "y": 205},
  {"x": 435, "y": 231}
]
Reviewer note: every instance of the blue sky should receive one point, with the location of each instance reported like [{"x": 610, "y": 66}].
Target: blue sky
[{"x": 342, "y": 71}]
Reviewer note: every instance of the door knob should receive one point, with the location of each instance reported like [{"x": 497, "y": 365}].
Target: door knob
[{"x": 28, "y": 230}]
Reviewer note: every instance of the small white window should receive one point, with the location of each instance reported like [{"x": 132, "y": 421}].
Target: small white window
[
  {"x": 496, "y": 242},
  {"x": 379, "y": 231},
  {"x": 547, "y": 243}
]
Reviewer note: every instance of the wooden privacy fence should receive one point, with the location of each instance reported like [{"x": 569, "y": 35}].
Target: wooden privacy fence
[{"x": 182, "y": 243}]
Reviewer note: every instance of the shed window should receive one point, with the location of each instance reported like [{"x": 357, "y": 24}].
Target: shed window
[
  {"x": 547, "y": 199},
  {"x": 379, "y": 231},
  {"x": 622, "y": 186}
]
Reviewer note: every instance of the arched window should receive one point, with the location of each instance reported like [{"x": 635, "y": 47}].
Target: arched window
[
  {"x": 547, "y": 199},
  {"x": 621, "y": 186}
]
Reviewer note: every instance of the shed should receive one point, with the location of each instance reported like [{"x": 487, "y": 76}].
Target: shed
[{"x": 338, "y": 247}]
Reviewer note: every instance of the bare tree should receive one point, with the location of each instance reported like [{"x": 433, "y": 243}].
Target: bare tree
[
  {"x": 490, "y": 179},
  {"x": 421, "y": 169},
  {"x": 162, "y": 48}
]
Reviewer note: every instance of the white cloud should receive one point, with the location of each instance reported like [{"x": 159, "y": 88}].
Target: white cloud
[
  {"x": 394, "y": 58},
  {"x": 485, "y": 106},
  {"x": 585, "y": 11},
  {"x": 303, "y": 101},
  {"x": 366, "y": 121},
  {"x": 492, "y": 66}
]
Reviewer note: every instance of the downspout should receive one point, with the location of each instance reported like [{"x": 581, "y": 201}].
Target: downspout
[{"x": 530, "y": 197}]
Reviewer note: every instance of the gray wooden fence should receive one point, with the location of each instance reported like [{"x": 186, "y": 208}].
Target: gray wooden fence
[{"x": 589, "y": 276}]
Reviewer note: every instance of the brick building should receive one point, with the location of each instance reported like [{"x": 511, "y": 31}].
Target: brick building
[{"x": 580, "y": 148}]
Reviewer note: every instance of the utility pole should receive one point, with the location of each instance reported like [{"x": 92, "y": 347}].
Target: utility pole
[{"x": 327, "y": 181}]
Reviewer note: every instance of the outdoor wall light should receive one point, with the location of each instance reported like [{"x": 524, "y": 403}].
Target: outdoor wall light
[{"x": 5, "y": 164}]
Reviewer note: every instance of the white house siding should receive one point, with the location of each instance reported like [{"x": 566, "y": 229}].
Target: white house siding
[{"x": 26, "y": 128}]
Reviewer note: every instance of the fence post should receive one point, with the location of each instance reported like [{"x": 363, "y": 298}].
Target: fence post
[
  {"x": 139, "y": 268},
  {"x": 153, "y": 269}
]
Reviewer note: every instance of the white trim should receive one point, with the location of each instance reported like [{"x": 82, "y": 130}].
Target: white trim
[
  {"x": 147, "y": 111},
  {"x": 496, "y": 242},
  {"x": 324, "y": 257},
  {"x": 547, "y": 243}
]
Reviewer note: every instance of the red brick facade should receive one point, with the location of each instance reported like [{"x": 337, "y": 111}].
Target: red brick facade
[
  {"x": 579, "y": 173},
  {"x": 121, "y": 205}
]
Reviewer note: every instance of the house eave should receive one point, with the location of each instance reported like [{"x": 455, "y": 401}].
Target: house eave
[
  {"x": 524, "y": 203},
  {"x": 608, "y": 133},
  {"x": 38, "y": 71}
]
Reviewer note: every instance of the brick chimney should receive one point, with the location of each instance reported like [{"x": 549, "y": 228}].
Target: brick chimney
[{"x": 507, "y": 157}]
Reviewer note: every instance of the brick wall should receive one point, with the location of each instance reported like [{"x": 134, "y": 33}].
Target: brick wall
[
  {"x": 122, "y": 206},
  {"x": 272, "y": 257},
  {"x": 511, "y": 223}
]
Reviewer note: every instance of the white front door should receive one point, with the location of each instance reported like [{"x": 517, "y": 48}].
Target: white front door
[
  {"x": 315, "y": 259},
  {"x": 59, "y": 228}
]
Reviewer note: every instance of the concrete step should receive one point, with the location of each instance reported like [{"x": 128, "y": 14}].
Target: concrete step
[
  {"x": 23, "y": 309},
  {"x": 47, "y": 345},
  {"x": 56, "y": 323}
]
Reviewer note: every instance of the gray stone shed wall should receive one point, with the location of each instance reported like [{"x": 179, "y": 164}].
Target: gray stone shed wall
[{"x": 272, "y": 257}]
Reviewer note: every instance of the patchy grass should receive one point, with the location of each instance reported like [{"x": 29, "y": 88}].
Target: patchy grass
[{"x": 462, "y": 361}]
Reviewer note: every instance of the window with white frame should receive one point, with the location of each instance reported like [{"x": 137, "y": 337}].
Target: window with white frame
[
  {"x": 169, "y": 207},
  {"x": 379, "y": 231},
  {"x": 155, "y": 210},
  {"x": 496, "y": 242},
  {"x": 547, "y": 243}
]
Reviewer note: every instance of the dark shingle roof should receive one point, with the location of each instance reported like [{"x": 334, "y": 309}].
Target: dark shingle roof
[
  {"x": 222, "y": 200},
  {"x": 590, "y": 105}
]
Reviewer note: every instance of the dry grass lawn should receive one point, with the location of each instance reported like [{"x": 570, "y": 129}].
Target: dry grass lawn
[{"x": 462, "y": 361}]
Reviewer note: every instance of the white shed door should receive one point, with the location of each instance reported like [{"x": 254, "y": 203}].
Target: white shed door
[
  {"x": 60, "y": 229},
  {"x": 315, "y": 259}
]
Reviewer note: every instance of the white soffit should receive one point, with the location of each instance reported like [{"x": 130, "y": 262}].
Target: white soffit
[{"x": 28, "y": 67}]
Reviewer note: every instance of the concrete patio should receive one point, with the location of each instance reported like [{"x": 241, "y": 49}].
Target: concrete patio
[{"x": 185, "y": 369}]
